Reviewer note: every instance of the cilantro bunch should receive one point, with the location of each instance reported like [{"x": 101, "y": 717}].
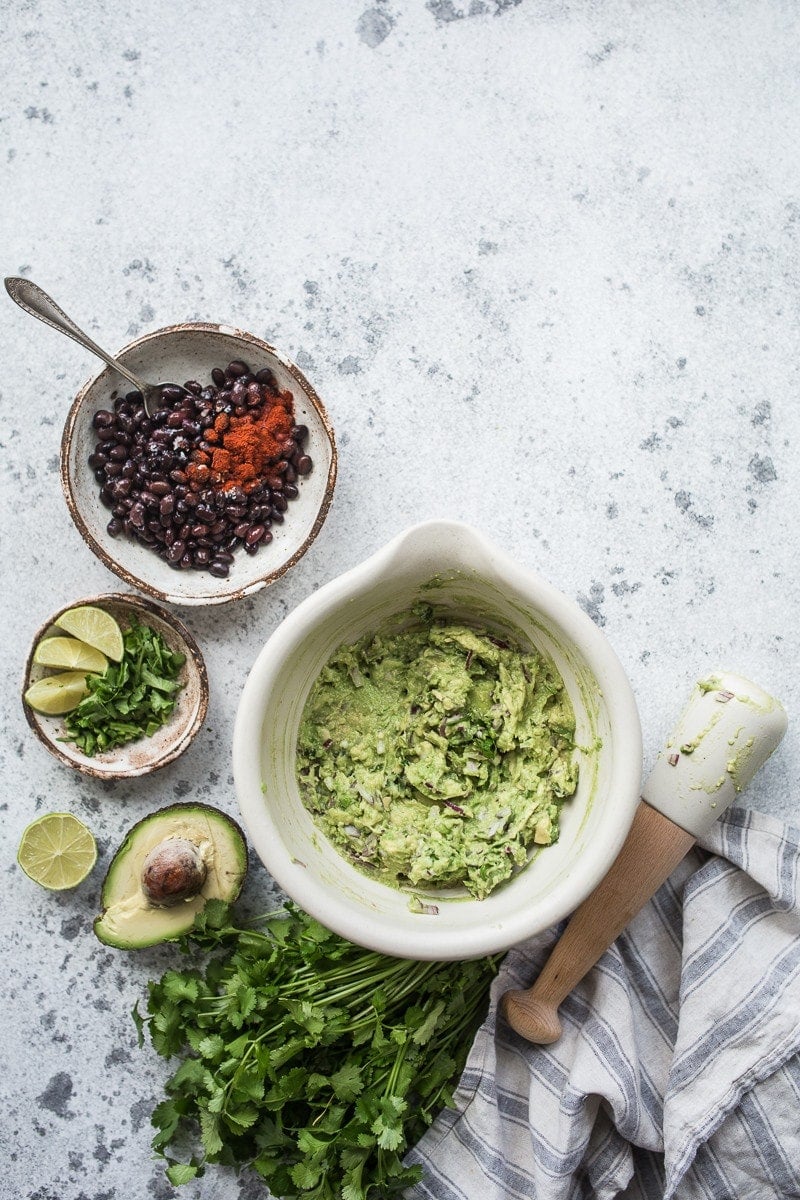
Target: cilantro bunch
[
  {"x": 132, "y": 698},
  {"x": 315, "y": 1062}
]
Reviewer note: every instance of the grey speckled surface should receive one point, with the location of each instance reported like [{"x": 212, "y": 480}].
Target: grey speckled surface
[{"x": 540, "y": 260}]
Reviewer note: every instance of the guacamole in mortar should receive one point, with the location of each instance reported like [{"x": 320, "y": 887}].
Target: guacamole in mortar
[{"x": 436, "y": 754}]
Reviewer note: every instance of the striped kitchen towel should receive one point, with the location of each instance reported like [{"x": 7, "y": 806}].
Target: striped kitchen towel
[{"x": 678, "y": 1072}]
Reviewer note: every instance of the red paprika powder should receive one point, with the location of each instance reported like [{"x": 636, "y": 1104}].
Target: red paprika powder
[{"x": 243, "y": 449}]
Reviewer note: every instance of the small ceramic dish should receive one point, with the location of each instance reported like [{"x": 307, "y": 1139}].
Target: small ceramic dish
[
  {"x": 148, "y": 753},
  {"x": 173, "y": 355},
  {"x": 450, "y": 565}
]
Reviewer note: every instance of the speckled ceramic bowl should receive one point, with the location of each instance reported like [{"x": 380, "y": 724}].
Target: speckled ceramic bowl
[
  {"x": 175, "y": 354},
  {"x": 452, "y": 565},
  {"x": 146, "y": 754}
]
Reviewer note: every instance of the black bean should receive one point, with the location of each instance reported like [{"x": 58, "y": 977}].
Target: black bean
[
  {"x": 201, "y": 557},
  {"x": 251, "y": 548},
  {"x": 265, "y": 376},
  {"x": 107, "y": 433},
  {"x": 176, "y": 551},
  {"x": 170, "y": 392},
  {"x": 281, "y": 503},
  {"x": 254, "y": 535},
  {"x": 160, "y": 487},
  {"x": 193, "y": 386},
  {"x": 291, "y": 492},
  {"x": 137, "y": 516},
  {"x": 113, "y": 469},
  {"x": 102, "y": 418},
  {"x": 114, "y": 526},
  {"x": 237, "y": 368},
  {"x": 118, "y": 454},
  {"x": 218, "y": 376},
  {"x": 223, "y": 556},
  {"x": 96, "y": 461},
  {"x": 303, "y": 465},
  {"x": 290, "y": 474},
  {"x": 242, "y": 530},
  {"x": 277, "y": 516}
]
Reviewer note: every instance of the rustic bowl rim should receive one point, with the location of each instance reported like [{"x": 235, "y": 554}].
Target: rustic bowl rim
[
  {"x": 193, "y": 652},
  {"x": 135, "y": 581}
]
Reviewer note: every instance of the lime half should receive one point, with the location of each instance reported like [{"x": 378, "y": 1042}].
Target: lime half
[
  {"x": 56, "y": 694},
  {"x": 69, "y": 654},
  {"x": 57, "y": 851},
  {"x": 95, "y": 627}
]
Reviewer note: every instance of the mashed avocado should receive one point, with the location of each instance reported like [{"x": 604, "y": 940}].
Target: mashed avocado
[{"x": 435, "y": 755}]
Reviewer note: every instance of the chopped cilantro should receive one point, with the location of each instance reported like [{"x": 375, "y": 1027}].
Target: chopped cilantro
[{"x": 132, "y": 699}]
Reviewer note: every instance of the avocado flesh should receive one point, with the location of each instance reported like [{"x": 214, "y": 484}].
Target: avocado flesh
[{"x": 129, "y": 920}]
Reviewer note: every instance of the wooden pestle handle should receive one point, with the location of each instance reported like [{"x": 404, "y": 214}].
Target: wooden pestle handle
[
  {"x": 652, "y": 850},
  {"x": 727, "y": 731}
]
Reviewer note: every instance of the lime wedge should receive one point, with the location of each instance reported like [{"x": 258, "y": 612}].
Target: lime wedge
[
  {"x": 70, "y": 654},
  {"x": 57, "y": 694},
  {"x": 57, "y": 851},
  {"x": 95, "y": 627}
]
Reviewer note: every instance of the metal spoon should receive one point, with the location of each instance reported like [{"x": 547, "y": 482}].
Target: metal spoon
[{"x": 36, "y": 302}]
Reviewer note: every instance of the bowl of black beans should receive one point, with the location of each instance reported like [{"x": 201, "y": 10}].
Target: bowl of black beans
[{"x": 214, "y": 491}]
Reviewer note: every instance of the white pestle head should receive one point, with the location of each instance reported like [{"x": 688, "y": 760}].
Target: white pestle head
[{"x": 729, "y": 729}]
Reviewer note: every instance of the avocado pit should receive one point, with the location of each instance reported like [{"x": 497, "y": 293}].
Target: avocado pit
[{"x": 173, "y": 871}]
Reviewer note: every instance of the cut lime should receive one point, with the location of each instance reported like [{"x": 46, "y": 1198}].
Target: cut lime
[
  {"x": 95, "y": 627},
  {"x": 57, "y": 851},
  {"x": 70, "y": 654},
  {"x": 57, "y": 694}
]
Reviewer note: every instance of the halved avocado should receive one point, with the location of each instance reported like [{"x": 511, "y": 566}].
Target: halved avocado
[{"x": 166, "y": 869}]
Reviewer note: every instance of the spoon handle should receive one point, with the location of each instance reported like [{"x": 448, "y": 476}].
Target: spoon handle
[{"x": 30, "y": 296}]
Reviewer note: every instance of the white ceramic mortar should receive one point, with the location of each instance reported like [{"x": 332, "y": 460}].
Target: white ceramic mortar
[{"x": 449, "y": 564}]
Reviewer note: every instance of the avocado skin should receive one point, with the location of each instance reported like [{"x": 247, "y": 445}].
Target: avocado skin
[{"x": 153, "y": 924}]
